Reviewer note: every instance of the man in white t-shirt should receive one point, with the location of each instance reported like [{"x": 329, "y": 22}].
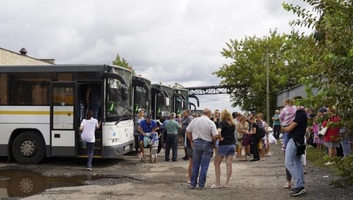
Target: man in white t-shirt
[{"x": 201, "y": 132}]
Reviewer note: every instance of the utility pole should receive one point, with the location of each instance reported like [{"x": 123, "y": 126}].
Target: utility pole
[{"x": 267, "y": 87}]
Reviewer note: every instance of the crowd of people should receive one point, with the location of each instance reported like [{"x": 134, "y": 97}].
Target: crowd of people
[{"x": 223, "y": 135}]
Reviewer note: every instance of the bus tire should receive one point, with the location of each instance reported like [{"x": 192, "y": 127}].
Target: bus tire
[{"x": 28, "y": 148}]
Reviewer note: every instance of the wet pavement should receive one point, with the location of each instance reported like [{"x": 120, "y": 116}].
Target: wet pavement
[
  {"x": 18, "y": 181},
  {"x": 24, "y": 183}
]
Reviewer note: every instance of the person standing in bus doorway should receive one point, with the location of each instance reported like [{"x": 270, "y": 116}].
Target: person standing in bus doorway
[
  {"x": 146, "y": 126},
  {"x": 93, "y": 98},
  {"x": 88, "y": 127},
  {"x": 138, "y": 119}
]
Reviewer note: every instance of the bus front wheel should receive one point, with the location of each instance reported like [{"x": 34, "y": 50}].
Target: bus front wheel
[{"x": 28, "y": 148}]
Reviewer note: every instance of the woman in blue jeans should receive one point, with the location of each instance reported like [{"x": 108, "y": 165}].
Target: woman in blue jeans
[
  {"x": 88, "y": 128},
  {"x": 296, "y": 130}
]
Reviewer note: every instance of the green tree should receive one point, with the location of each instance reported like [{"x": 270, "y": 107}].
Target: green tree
[
  {"x": 123, "y": 63},
  {"x": 247, "y": 69},
  {"x": 332, "y": 60},
  {"x": 331, "y": 54}
]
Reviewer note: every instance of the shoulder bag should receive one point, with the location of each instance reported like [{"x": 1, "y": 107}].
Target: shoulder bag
[
  {"x": 300, "y": 148},
  {"x": 323, "y": 131}
]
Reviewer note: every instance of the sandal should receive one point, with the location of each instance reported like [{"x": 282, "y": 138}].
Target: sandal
[
  {"x": 226, "y": 186},
  {"x": 288, "y": 185},
  {"x": 215, "y": 186}
]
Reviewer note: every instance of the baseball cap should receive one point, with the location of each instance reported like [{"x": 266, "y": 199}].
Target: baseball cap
[{"x": 322, "y": 110}]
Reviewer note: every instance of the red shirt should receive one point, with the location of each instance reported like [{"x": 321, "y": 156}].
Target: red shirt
[{"x": 333, "y": 132}]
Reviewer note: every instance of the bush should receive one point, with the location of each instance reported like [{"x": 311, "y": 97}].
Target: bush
[{"x": 345, "y": 168}]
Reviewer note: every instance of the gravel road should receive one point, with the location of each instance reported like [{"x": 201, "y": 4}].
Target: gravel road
[{"x": 129, "y": 178}]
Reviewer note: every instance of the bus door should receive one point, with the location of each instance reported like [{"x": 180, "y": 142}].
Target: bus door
[{"x": 62, "y": 119}]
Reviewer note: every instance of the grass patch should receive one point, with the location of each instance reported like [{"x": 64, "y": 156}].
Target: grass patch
[{"x": 315, "y": 156}]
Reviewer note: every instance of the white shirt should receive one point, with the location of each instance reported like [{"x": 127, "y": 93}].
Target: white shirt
[
  {"x": 202, "y": 128},
  {"x": 89, "y": 128}
]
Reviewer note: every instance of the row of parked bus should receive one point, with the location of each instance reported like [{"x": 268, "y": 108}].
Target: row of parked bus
[
  {"x": 41, "y": 108},
  {"x": 160, "y": 100}
]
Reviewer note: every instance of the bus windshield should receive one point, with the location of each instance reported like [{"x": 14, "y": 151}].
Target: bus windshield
[
  {"x": 141, "y": 99},
  {"x": 118, "y": 107}
]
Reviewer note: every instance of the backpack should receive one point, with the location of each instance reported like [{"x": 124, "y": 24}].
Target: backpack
[{"x": 261, "y": 132}]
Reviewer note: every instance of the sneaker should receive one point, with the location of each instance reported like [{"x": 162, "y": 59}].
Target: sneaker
[
  {"x": 298, "y": 191},
  {"x": 89, "y": 169},
  {"x": 191, "y": 187},
  {"x": 185, "y": 158},
  {"x": 329, "y": 163},
  {"x": 201, "y": 188}
]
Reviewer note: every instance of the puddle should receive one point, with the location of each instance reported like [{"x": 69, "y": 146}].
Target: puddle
[{"x": 24, "y": 183}]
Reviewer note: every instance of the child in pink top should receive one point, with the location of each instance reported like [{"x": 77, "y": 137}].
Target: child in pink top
[
  {"x": 286, "y": 117},
  {"x": 287, "y": 114}
]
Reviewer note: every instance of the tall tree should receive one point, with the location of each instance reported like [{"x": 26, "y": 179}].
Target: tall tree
[
  {"x": 247, "y": 69},
  {"x": 332, "y": 53},
  {"x": 123, "y": 63}
]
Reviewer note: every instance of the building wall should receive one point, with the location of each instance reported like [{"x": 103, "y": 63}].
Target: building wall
[
  {"x": 12, "y": 58},
  {"x": 299, "y": 90}
]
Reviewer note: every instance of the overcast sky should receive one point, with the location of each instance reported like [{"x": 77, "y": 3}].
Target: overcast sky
[{"x": 165, "y": 41}]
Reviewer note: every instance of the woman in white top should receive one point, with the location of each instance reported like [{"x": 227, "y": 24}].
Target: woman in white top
[{"x": 88, "y": 128}]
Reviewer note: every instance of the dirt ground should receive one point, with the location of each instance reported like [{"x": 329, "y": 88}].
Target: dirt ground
[{"x": 129, "y": 178}]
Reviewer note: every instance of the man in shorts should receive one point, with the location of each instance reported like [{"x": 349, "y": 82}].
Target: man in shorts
[{"x": 146, "y": 126}]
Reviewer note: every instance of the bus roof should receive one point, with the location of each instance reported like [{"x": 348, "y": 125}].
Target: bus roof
[{"x": 58, "y": 68}]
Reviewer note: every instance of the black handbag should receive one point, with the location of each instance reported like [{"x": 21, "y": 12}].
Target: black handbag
[{"x": 300, "y": 148}]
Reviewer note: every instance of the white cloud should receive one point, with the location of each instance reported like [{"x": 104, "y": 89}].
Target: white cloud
[{"x": 164, "y": 40}]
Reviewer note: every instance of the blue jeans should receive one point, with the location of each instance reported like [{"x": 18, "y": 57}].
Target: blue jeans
[
  {"x": 90, "y": 147},
  {"x": 95, "y": 106},
  {"x": 201, "y": 157},
  {"x": 294, "y": 164},
  {"x": 346, "y": 147},
  {"x": 285, "y": 139},
  {"x": 172, "y": 143}
]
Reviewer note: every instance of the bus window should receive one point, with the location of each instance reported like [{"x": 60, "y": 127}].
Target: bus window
[
  {"x": 28, "y": 89},
  {"x": 65, "y": 76},
  {"x": 3, "y": 89},
  {"x": 63, "y": 95},
  {"x": 40, "y": 93}
]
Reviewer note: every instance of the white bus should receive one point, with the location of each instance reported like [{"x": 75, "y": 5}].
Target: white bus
[{"x": 41, "y": 108}]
